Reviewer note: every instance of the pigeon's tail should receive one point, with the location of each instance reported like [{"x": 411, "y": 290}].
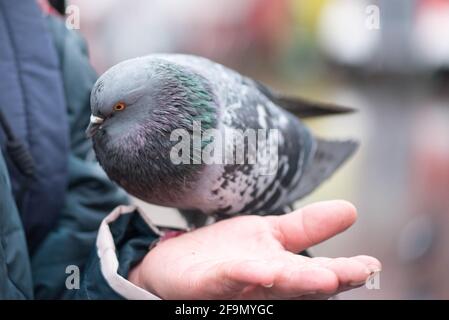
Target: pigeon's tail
[
  {"x": 329, "y": 155},
  {"x": 304, "y": 108}
]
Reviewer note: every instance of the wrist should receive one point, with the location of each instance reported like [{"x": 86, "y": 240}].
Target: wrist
[
  {"x": 143, "y": 274},
  {"x": 134, "y": 275}
]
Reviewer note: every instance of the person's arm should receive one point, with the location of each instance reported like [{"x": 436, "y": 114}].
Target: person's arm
[
  {"x": 248, "y": 257},
  {"x": 255, "y": 257}
]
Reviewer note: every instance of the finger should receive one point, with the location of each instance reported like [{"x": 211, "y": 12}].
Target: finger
[
  {"x": 313, "y": 224},
  {"x": 372, "y": 263},
  {"x": 320, "y": 277},
  {"x": 374, "y": 266},
  {"x": 349, "y": 271},
  {"x": 352, "y": 271},
  {"x": 294, "y": 282},
  {"x": 228, "y": 278}
]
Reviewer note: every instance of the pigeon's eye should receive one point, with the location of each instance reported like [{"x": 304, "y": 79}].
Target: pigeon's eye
[{"x": 120, "y": 106}]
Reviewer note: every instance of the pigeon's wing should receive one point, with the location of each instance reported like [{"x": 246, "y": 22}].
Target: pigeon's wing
[
  {"x": 265, "y": 192},
  {"x": 304, "y": 161},
  {"x": 307, "y": 160},
  {"x": 301, "y": 107}
]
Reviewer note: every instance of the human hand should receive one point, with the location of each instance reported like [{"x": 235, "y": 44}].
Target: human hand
[{"x": 252, "y": 257}]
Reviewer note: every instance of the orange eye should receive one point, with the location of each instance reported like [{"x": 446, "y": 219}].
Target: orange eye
[{"x": 120, "y": 106}]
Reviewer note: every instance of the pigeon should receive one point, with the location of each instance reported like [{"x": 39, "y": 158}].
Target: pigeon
[{"x": 139, "y": 103}]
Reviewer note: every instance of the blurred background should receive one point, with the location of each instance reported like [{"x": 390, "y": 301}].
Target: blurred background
[{"x": 389, "y": 59}]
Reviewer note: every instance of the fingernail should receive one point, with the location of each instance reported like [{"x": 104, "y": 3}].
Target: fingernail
[
  {"x": 357, "y": 283},
  {"x": 268, "y": 285},
  {"x": 374, "y": 269}
]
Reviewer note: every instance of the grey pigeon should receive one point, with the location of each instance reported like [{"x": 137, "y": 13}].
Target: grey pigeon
[{"x": 137, "y": 104}]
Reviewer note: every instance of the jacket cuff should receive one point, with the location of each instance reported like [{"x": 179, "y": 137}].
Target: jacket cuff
[{"x": 124, "y": 238}]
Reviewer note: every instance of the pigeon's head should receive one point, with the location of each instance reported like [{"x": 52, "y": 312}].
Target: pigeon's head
[
  {"x": 136, "y": 105},
  {"x": 119, "y": 94}
]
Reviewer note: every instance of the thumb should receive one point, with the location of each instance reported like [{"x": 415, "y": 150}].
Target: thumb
[{"x": 313, "y": 224}]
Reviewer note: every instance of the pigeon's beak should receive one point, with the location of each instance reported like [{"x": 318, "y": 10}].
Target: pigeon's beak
[{"x": 93, "y": 126}]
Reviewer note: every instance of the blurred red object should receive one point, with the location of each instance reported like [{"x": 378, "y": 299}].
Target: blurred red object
[
  {"x": 430, "y": 158},
  {"x": 46, "y": 7}
]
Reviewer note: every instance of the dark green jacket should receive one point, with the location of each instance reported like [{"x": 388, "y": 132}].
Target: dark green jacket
[{"x": 72, "y": 260}]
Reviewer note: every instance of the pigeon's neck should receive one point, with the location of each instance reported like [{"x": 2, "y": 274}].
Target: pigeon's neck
[{"x": 189, "y": 91}]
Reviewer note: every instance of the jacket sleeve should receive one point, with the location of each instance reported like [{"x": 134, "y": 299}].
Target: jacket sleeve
[
  {"x": 69, "y": 263},
  {"x": 15, "y": 273},
  {"x": 124, "y": 238}
]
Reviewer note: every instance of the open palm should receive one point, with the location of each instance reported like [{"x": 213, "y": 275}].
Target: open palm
[{"x": 253, "y": 257}]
